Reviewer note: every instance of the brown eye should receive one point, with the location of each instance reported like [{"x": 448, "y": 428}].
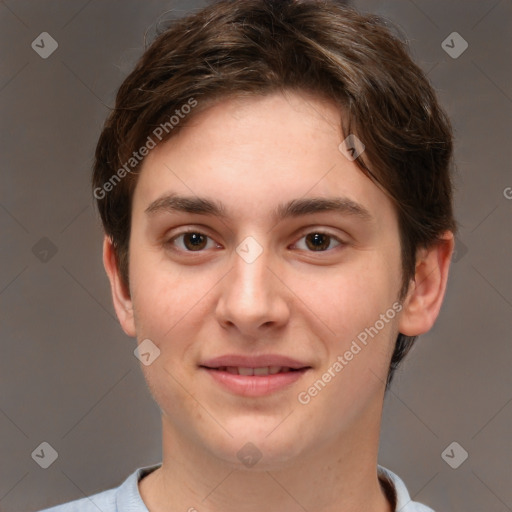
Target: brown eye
[
  {"x": 317, "y": 241},
  {"x": 191, "y": 241},
  {"x": 194, "y": 241}
]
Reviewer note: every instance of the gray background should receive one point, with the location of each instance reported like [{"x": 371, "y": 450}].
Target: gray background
[{"x": 68, "y": 373}]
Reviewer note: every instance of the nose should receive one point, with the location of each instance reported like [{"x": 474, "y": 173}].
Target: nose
[{"x": 253, "y": 298}]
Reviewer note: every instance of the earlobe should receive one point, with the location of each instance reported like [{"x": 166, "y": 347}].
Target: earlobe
[
  {"x": 423, "y": 301},
  {"x": 120, "y": 295}
]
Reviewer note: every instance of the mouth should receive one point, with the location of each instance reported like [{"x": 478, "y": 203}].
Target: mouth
[
  {"x": 261, "y": 371},
  {"x": 254, "y": 381}
]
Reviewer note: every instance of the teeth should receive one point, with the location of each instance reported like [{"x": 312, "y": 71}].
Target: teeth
[
  {"x": 265, "y": 370},
  {"x": 262, "y": 371}
]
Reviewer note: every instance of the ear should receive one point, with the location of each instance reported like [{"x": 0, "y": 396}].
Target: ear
[
  {"x": 426, "y": 292},
  {"x": 120, "y": 295}
]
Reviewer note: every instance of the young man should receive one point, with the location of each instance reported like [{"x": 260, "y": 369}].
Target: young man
[{"x": 274, "y": 187}]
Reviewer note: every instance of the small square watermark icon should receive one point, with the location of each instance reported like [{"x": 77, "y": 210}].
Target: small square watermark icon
[
  {"x": 249, "y": 455},
  {"x": 146, "y": 352},
  {"x": 44, "y": 45},
  {"x": 45, "y": 455},
  {"x": 44, "y": 250},
  {"x": 351, "y": 147},
  {"x": 454, "y": 45},
  {"x": 459, "y": 251},
  {"x": 454, "y": 455},
  {"x": 249, "y": 250}
]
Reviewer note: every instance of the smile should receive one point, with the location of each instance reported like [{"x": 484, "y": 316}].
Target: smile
[
  {"x": 264, "y": 370},
  {"x": 254, "y": 382}
]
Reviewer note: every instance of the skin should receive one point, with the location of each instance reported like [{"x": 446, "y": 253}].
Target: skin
[{"x": 252, "y": 154}]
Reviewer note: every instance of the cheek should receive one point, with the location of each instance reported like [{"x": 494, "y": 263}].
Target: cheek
[
  {"x": 166, "y": 315},
  {"x": 353, "y": 376},
  {"x": 161, "y": 295},
  {"x": 356, "y": 318},
  {"x": 167, "y": 311},
  {"x": 154, "y": 309},
  {"x": 170, "y": 308},
  {"x": 346, "y": 300}
]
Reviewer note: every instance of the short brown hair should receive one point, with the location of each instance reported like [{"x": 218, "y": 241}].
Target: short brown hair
[{"x": 256, "y": 47}]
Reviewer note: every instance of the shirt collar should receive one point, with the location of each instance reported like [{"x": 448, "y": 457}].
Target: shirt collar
[{"x": 128, "y": 497}]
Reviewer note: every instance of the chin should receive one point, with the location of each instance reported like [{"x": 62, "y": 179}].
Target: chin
[{"x": 257, "y": 449}]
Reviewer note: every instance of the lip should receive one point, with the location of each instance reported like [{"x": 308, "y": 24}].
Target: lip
[
  {"x": 254, "y": 361},
  {"x": 254, "y": 385}
]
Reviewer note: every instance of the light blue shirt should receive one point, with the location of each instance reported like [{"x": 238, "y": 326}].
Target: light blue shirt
[{"x": 126, "y": 497}]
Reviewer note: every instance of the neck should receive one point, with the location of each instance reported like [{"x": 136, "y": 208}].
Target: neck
[{"x": 338, "y": 475}]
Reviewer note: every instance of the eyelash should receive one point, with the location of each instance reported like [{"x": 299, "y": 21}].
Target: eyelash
[{"x": 304, "y": 234}]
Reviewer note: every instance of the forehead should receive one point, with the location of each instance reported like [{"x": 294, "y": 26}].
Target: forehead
[{"x": 254, "y": 152}]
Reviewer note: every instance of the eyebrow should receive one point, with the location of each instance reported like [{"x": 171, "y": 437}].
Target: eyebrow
[{"x": 172, "y": 203}]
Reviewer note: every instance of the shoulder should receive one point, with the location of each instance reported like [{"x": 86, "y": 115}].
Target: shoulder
[
  {"x": 104, "y": 501},
  {"x": 119, "y": 499},
  {"x": 404, "y": 502}
]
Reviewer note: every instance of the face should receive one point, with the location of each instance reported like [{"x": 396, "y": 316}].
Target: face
[{"x": 298, "y": 267}]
